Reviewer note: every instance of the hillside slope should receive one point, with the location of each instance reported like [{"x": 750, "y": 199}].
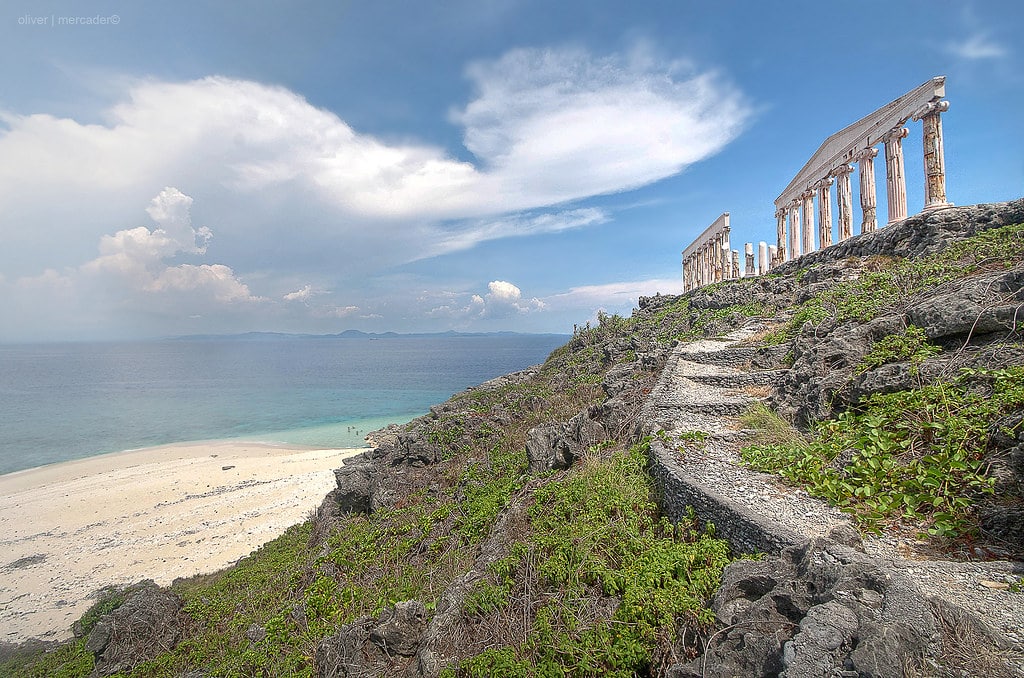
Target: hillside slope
[{"x": 522, "y": 527}]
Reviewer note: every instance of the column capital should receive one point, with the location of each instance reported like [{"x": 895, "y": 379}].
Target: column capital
[
  {"x": 842, "y": 170},
  {"x": 900, "y": 132},
  {"x": 823, "y": 183},
  {"x": 929, "y": 108},
  {"x": 866, "y": 154},
  {"x": 780, "y": 212}
]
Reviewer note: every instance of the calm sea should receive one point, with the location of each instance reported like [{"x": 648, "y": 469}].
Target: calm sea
[{"x": 67, "y": 401}]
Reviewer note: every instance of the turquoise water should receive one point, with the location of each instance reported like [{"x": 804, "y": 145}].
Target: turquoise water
[{"x": 67, "y": 401}]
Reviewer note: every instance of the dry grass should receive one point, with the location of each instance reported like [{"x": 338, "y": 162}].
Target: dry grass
[{"x": 968, "y": 651}]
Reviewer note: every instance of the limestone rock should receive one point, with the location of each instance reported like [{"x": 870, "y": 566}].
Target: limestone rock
[
  {"x": 355, "y": 487},
  {"x": 977, "y": 305},
  {"x": 818, "y": 609},
  {"x": 145, "y": 625},
  {"x": 373, "y": 646},
  {"x": 400, "y": 628}
]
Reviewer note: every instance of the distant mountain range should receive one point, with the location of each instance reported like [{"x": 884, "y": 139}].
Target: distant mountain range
[{"x": 355, "y": 334}]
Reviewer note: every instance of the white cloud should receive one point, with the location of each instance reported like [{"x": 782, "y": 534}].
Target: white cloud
[
  {"x": 502, "y": 300},
  {"x": 548, "y": 127},
  {"x": 303, "y": 295},
  {"x": 977, "y": 46},
  {"x": 467, "y": 235},
  {"x": 136, "y": 260},
  {"x": 615, "y": 295},
  {"x": 560, "y": 124},
  {"x": 287, "y": 184}
]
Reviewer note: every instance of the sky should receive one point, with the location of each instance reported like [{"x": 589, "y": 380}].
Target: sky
[{"x": 472, "y": 165}]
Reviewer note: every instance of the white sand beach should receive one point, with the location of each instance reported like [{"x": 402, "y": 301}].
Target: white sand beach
[{"x": 68, "y": 529}]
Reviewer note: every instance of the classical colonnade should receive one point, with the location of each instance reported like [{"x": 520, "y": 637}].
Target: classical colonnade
[
  {"x": 709, "y": 258},
  {"x": 833, "y": 164}
]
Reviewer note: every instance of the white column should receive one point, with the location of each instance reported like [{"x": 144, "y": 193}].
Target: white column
[
  {"x": 748, "y": 259},
  {"x": 895, "y": 174},
  {"x": 868, "y": 201},
  {"x": 780, "y": 231},
  {"x": 824, "y": 212},
  {"x": 794, "y": 231},
  {"x": 807, "y": 198},
  {"x": 735, "y": 272},
  {"x": 844, "y": 201},
  {"x": 934, "y": 161},
  {"x": 773, "y": 257},
  {"x": 762, "y": 258}
]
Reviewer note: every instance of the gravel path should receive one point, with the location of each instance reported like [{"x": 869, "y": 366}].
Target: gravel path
[{"x": 704, "y": 385}]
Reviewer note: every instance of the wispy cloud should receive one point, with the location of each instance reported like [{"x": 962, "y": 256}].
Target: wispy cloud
[{"x": 976, "y": 47}]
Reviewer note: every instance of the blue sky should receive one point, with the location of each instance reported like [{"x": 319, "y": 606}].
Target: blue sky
[{"x": 198, "y": 167}]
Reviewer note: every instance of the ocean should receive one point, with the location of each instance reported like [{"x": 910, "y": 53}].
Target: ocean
[{"x": 67, "y": 401}]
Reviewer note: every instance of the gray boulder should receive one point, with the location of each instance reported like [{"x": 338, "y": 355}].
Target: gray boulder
[
  {"x": 977, "y": 305},
  {"x": 145, "y": 625},
  {"x": 373, "y": 646},
  {"x": 819, "y": 609}
]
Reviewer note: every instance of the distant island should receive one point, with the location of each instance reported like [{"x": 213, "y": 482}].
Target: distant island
[{"x": 356, "y": 334}]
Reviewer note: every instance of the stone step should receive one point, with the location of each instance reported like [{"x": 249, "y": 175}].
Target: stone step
[
  {"x": 735, "y": 356},
  {"x": 720, "y": 408},
  {"x": 739, "y": 379}
]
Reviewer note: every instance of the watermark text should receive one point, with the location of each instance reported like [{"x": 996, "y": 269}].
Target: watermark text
[{"x": 57, "y": 20}]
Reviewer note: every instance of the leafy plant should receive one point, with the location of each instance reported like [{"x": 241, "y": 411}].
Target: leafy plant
[
  {"x": 915, "y": 455},
  {"x": 910, "y": 346}
]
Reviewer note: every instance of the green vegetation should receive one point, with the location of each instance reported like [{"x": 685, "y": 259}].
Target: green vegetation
[
  {"x": 593, "y": 536},
  {"x": 913, "y": 455},
  {"x": 887, "y": 284},
  {"x": 911, "y": 346}
]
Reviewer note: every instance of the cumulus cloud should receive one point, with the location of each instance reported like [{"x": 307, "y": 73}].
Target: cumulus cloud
[
  {"x": 302, "y": 295},
  {"x": 547, "y": 126},
  {"x": 502, "y": 300},
  {"x": 138, "y": 257}
]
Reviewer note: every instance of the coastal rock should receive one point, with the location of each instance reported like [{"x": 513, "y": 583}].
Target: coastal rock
[
  {"x": 400, "y": 628},
  {"x": 356, "y": 486},
  {"x": 373, "y": 646},
  {"x": 551, "y": 447},
  {"x": 145, "y": 625},
  {"x": 819, "y": 609}
]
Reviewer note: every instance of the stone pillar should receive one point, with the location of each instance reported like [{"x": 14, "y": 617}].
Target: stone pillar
[
  {"x": 735, "y": 265},
  {"x": 794, "y": 231},
  {"x": 807, "y": 230},
  {"x": 868, "y": 202},
  {"x": 934, "y": 162},
  {"x": 762, "y": 258},
  {"x": 895, "y": 175},
  {"x": 824, "y": 212},
  {"x": 773, "y": 256},
  {"x": 748, "y": 259},
  {"x": 844, "y": 201},
  {"x": 780, "y": 231}
]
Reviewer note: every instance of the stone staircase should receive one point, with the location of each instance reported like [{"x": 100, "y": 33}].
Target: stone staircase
[{"x": 703, "y": 387}]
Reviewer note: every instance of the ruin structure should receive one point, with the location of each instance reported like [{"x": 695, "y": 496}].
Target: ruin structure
[{"x": 709, "y": 258}]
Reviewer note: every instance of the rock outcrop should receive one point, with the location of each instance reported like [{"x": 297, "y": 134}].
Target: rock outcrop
[
  {"x": 145, "y": 625},
  {"x": 373, "y": 646}
]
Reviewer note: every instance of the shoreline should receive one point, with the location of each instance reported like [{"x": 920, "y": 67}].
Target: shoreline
[{"x": 70, "y": 528}]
